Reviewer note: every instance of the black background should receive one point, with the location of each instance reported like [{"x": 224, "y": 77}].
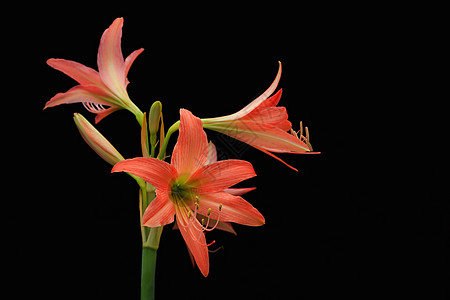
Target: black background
[{"x": 359, "y": 221}]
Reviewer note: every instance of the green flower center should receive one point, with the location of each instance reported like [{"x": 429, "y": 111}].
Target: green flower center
[{"x": 181, "y": 193}]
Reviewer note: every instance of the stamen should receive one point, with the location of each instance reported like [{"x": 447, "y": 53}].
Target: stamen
[
  {"x": 94, "y": 108},
  {"x": 300, "y": 135},
  {"x": 217, "y": 221},
  {"x": 294, "y": 133},
  {"x": 201, "y": 228}
]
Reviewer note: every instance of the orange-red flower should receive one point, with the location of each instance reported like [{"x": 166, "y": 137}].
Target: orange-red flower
[
  {"x": 101, "y": 92},
  {"x": 263, "y": 125},
  {"x": 192, "y": 187}
]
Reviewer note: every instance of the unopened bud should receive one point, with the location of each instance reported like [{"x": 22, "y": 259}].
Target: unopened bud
[
  {"x": 97, "y": 141},
  {"x": 153, "y": 121}
]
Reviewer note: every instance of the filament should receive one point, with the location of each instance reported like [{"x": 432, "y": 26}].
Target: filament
[
  {"x": 197, "y": 229},
  {"x": 94, "y": 108},
  {"x": 301, "y": 137}
]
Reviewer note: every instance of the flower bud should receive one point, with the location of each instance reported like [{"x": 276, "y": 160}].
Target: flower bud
[
  {"x": 153, "y": 121},
  {"x": 97, "y": 141}
]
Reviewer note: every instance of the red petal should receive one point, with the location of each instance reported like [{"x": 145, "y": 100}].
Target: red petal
[
  {"x": 239, "y": 192},
  {"x": 130, "y": 59},
  {"x": 84, "y": 75},
  {"x": 221, "y": 175},
  {"x": 269, "y": 117},
  {"x": 258, "y": 101},
  {"x": 110, "y": 61},
  {"x": 82, "y": 93},
  {"x": 234, "y": 209},
  {"x": 104, "y": 114},
  {"x": 160, "y": 211},
  {"x": 154, "y": 171},
  {"x": 262, "y": 136},
  {"x": 272, "y": 100},
  {"x": 190, "y": 236},
  {"x": 212, "y": 154},
  {"x": 277, "y": 158},
  {"x": 191, "y": 149}
]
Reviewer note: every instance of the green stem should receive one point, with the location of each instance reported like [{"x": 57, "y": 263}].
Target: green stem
[
  {"x": 151, "y": 236},
  {"x": 148, "y": 273},
  {"x": 171, "y": 130}
]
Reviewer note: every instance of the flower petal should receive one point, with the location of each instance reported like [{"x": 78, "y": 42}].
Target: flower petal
[
  {"x": 105, "y": 113},
  {"x": 269, "y": 117},
  {"x": 221, "y": 175},
  {"x": 130, "y": 59},
  {"x": 212, "y": 154},
  {"x": 191, "y": 149},
  {"x": 273, "y": 100},
  {"x": 156, "y": 172},
  {"x": 263, "y": 136},
  {"x": 110, "y": 61},
  {"x": 81, "y": 73},
  {"x": 255, "y": 103},
  {"x": 82, "y": 93},
  {"x": 194, "y": 238},
  {"x": 160, "y": 211},
  {"x": 234, "y": 209},
  {"x": 239, "y": 192},
  {"x": 252, "y": 105}
]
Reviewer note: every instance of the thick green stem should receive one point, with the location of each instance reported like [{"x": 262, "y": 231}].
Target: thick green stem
[
  {"x": 151, "y": 236},
  {"x": 150, "y": 244},
  {"x": 148, "y": 273}
]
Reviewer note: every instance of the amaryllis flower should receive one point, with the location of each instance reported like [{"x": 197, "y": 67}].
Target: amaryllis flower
[
  {"x": 189, "y": 187},
  {"x": 101, "y": 92},
  {"x": 263, "y": 125}
]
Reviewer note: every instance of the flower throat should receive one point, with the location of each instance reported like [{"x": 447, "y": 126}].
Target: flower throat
[{"x": 181, "y": 193}]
